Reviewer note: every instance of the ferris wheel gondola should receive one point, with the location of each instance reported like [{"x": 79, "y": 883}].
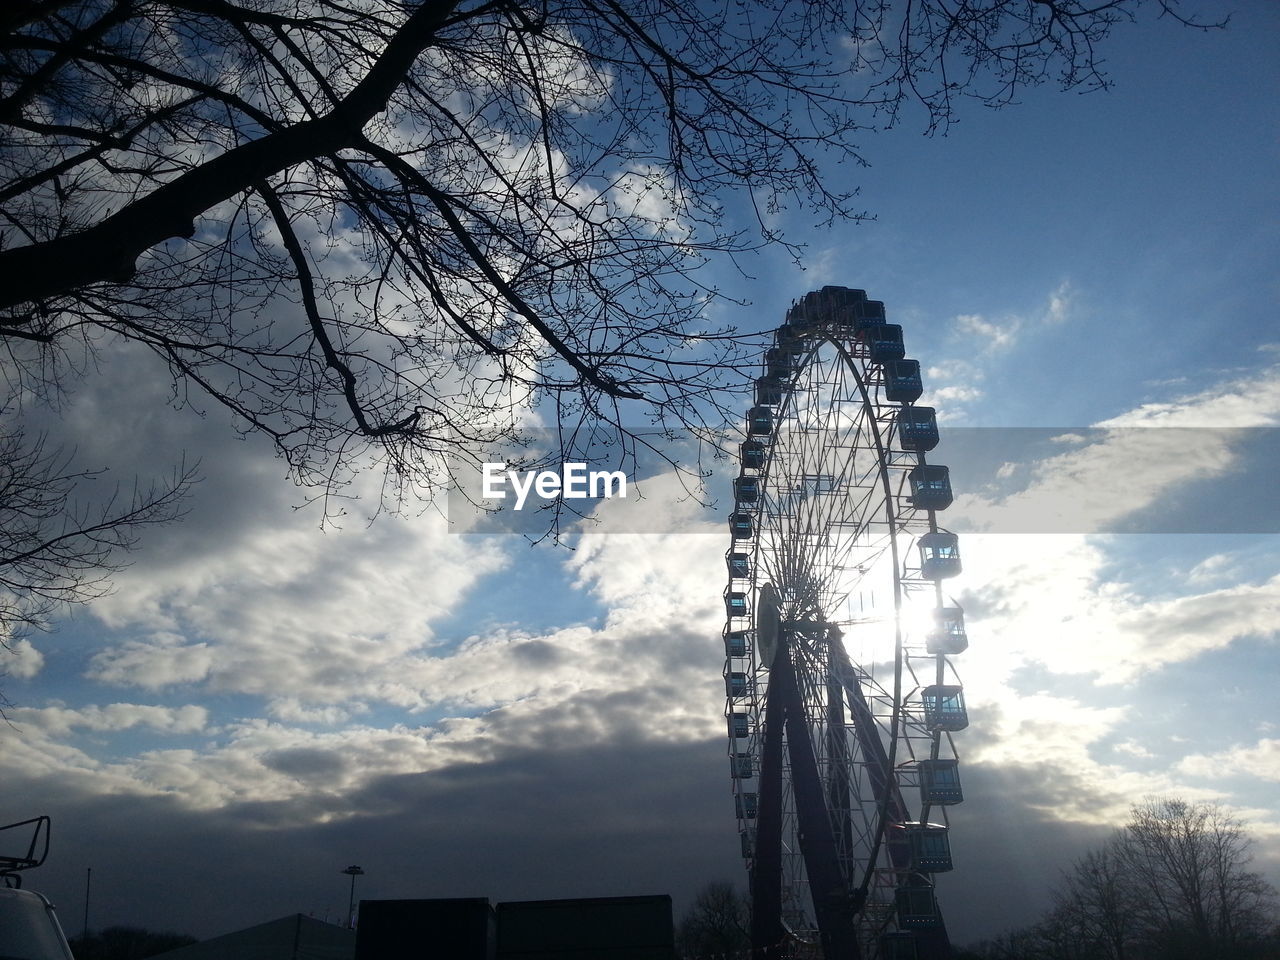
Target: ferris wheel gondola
[{"x": 841, "y": 695}]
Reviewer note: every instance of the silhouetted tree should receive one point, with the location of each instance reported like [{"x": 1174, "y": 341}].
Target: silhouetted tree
[
  {"x": 59, "y": 544},
  {"x": 716, "y": 924},
  {"x": 389, "y": 226},
  {"x": 1172, "y": 885},
  {"x": 1191, "y": 890},
  {"x": 127, "y": 943},
  {"x": 1024, "y": 944},
  {"x": 384, "y": 231},
  {"x": 1099, "y": 902}
]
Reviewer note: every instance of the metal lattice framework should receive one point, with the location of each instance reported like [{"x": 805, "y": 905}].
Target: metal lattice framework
[{"x": 842, "y": 698}]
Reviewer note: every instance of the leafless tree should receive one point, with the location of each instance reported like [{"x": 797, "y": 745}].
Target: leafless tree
[
  {"x": 1188, "y": 863},
  {"x": 59, "y": 543},
  {"x": 1172, "y": 885},
  {"x": 1021, "y": 944},
  {"x": 127, "y": 943},
  {"x": 1099, "y": 902},
  {"x": 388, "y": 226},
  {"x": 395, "y": 231},
  {"x": 716, "y": 924}
]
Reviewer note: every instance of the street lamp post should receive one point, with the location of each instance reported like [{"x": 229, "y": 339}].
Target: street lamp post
[{"x": 352, "y": 871}]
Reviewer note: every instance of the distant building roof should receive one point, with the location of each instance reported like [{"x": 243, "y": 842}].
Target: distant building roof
[
  {"x": 595, "y": 928},
  {"x": 290, "y": 938}
]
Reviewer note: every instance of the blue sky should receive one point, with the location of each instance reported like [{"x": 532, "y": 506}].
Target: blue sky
[{"x": 475, "y": 716}]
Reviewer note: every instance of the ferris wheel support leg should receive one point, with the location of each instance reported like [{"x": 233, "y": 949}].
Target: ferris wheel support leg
[
  {"x": 839, "y": 795},
  {"x": 832, "y": 898},
  {"x": 766, "y": 868},
  {"x": 883, "y": 788},
  {"x": 931, "y": 943}
]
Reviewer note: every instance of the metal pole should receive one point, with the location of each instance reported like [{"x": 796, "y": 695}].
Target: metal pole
[
  {"x": 353, "y": 871},
  {"x": 88, "y": 879}
]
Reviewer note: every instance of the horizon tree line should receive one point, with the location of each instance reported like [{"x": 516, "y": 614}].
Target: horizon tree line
[{"x": 1172, "y": 884}]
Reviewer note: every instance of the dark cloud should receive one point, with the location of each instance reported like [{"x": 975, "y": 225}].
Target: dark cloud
[
  {"x": 536, "y": 653},
  {"x": 307, "y": 763},
  {"x": 604, "y": 820},
  {"x": 618, "y": 818},
  {"x": 990, "y": 600},
  {"x": 1010, "y": 845}
]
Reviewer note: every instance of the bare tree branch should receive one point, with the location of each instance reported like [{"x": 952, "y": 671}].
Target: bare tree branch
[
  {"x": 382, "y": 232},
  {"x": 54, "y": 551},
  {"x": 108, "y": 250}
]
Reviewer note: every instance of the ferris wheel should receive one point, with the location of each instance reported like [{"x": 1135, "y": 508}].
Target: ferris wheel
[{"x": 841, "y": 695}]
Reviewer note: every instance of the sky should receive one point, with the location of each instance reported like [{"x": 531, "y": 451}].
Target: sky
[{"x": 260, "y": 702}]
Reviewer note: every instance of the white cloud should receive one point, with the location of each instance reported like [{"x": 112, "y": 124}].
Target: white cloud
[
  {"x": 1221, "y": 567},
  {"x": 1091, "y": 486},
  {"x": 1134, "y": 749},
  {"x": 650, "y": 671},
  {"x": 1058, "y": 309},
  {"x": 292, "y": 710},
  {"x": 289, "y": 611},
  {"x": 1170, "y": 631},
  {"x": 24, "y": 660},
  {"x": 993, "y": 336},
  {"x": 1143, "y": 457},
  {"x": 1053, "y": 600},
  {"x": 1261, "y": 760},
  {"x": 950, "y": 398},
  {"x": 1052, "y": 740},
  {"x": 997, "y": 335},
  {"x": 152, "y": 664},
  {"x": 1045, "y": 727},
  {"x": 60, "y": 720},
  {"x": 327, "y": 626},
  {"x": 1246, "y": 401},
  {"x": 950, "y": 387},
  {"x": 1057, "y": 609}
]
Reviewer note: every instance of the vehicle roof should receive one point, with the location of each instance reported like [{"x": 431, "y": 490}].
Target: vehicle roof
[{"x": 28, "y": 928}]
